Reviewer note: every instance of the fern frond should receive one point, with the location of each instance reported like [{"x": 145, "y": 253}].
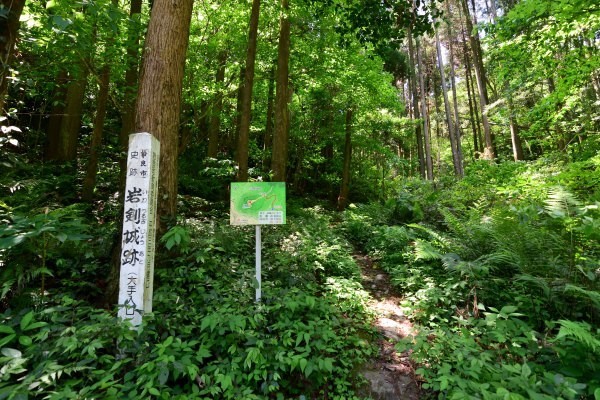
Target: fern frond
[
  {"x": 502, "y": 257},
  {"x": 425, "y": 251},
  {"x": 541, "y": 283},
  {"x": 561, "y": 203},
  {"x": 580, "y": 332},
  {"x": 433, "y": 234},
  {"x": 592, "y": 296}
]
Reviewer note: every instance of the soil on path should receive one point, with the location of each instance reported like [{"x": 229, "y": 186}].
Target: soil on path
[{"x": 391, "y": 375}]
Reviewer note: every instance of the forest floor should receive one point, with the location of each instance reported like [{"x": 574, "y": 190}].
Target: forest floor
[{"x": 391, "y": 375}]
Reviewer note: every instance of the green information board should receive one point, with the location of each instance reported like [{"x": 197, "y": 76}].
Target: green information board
[{"x": 257, "y": 203}]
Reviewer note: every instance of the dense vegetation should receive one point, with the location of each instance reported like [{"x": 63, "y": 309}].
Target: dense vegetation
[{"x": 453, "y": 142}]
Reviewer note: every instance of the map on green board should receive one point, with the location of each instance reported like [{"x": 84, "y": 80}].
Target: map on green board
[{"x": 257, "y": 203}]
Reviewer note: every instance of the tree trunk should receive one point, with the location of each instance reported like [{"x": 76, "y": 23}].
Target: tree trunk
[
  {"x": 70, "y": 123},
  {"x": 131, "y": 77},
  {"x": 214, "y": 129},
  {"x": 457, "y": 130},
  {"x": 268, "y": 140},
  {"x": 9, "y": 29},
  {"x": 280, "y": 138},
  {"x": 342, "y": 200},
  {"x": 517, "y": 146},
  {"x": 477, "y": 141},
  {"x": 158, "y": 103},
  {"x": 246, "y": 111},
  {"x": 89, "y": 182},
  {"x": 58, "y": 109},
  {"x": 158, "y": 108},
  {"x": 415, "y": 103},
  {"x": 455, "y": 159},
  {"x": 488, "y": 152},
  {"x": 424, "y": 113},
  {"x": 472, "y": 110}
]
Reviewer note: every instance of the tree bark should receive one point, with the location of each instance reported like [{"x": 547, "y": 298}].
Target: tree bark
[
  {"x": 488, "y": 152},
  {"x": 246, "y": 111},
  {"x": 70, "y": 123},
  {"x": 9, "y": 30},
  {"x": 457, "y": 130},
  {"x": 214, "y": 129},
  {"x": 424, "y": 113},
  {"x": 89, "y": 182},
  {"x": 158, "y": 103},
  {"x": 455, "y": 159},
  {"x": 131, "y": 78},
  {"x": 342, "y": 200},
  {"x": 280, "y": 138},
  {"x": 268, "y": 140},
  {"x": 415, "y": 103},
  {"x": 517, "y": 146},
  {"x": 56, "y": 114}
]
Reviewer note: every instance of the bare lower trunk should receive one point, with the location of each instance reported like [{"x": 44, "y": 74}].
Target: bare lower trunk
[
  {"x": 424, "y": 113},
  {"x": 342, "y": 200},
  {"x": 415, "y": 104},
  {"x": 9, "y": 29},
  {"x": 89, "y": 182},
  {"x": 246, "y": 111},
  {"x": 159, "y": 96},
  {"x": 56, "y": 114},
  {"x": 268, "y": 140},
  {"x": 455, "y": 159},
  {"x": 214, "y": 128},
  {"x": 488, "y": 152},
  {"x": 280, "y": 138},
  {"x": 70, "y": 123}
]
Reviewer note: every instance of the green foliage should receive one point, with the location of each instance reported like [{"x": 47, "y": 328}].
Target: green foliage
[
  {"x": 31, "y": 245},
  {"x": 207, "y": 337},
  {"x": 502, "y": 277}
]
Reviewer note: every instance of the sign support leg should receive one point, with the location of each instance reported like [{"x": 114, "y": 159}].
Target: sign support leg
[{"x": 258, "y": 263}]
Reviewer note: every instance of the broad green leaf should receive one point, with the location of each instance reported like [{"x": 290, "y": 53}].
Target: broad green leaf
[
  {"x": 6, "y": 329},
  {"x": 12, "y": 353},
  {"x": 26, "y": 320}
]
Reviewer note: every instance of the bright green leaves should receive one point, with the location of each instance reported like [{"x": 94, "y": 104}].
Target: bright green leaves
[{"x": 555, "y": 39}]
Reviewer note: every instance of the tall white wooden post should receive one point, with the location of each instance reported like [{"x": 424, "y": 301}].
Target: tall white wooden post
[{"x": 139, "y": 228}]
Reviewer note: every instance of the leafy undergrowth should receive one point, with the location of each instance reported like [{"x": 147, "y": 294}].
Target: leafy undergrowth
[
  {"x": 207, "y": 338},
  {"x": 502, "y": 277}
]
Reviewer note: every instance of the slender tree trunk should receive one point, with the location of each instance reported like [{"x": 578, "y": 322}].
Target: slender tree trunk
[
  {"x": 424, "y": 113},
  {"x": 158, "y": 105},
  {"x": 488, "y": 152},
  {"x": 455, "y": 159},
  {"x": 280, "y": 138},
  {"x": 214, "y": 129},
  {"x": 131, "y": 77},
  {"x": 472, "y": 108},
  {"x": 89, "y": 182},
  {"x": 268, "y": 140},
  {"x": 415, "y": 103},
  {"x": 246, "y": 112},
  {"x": 71, "y": 121},
  {"x": 477, "y": 140},
  {"x": 9, "y": 29},
  {"x": 457, "y": 130},
  {"x": 51, "y": 151},
  {"x": 517, "y": 146},
  {"x": 342, "y": 200},
  {"x": 233, "y": 133}
]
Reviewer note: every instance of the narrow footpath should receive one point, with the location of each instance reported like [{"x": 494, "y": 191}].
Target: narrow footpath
[{"x": 391, "y": 375}]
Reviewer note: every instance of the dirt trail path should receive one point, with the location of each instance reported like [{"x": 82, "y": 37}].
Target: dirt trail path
[{"x": 391, "y": 375}]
